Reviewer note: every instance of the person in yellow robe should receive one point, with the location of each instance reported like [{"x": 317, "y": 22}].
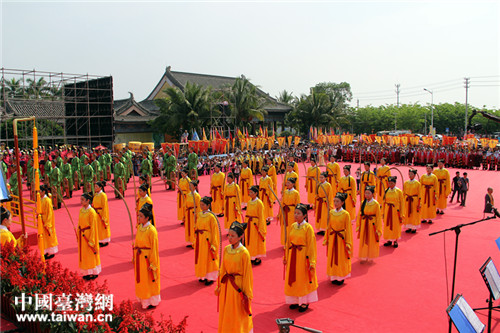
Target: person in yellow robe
[
  {"x": 295, "y": 164},
  {"x": 291, "y": 174},
  {"x": 5, "y": 235},
  {"x": 182, "y": 191},
  {"x": 324, "y": 202},
  {"x": 147, "y": 260},
  {"x": 232, "y": 204},
  {"x": 271, "y": 172},
  {"x": 333, "y": 169},
  {"x": 347, "y": 185},
  {"x": 88, "y": 240},
  {"x": 290, "y": 199},
  {"x": 369, "y": 226},
  {"x": 50, "y": 242},
  {"x": 144, "y": 198},
  {"x": 217, "y": 182},
  {"x": 428, "y": 193},
  {"x": 412, "y": 198},
  {"x": 255, "y": 236},
  {"x": 444, "y": 186},
  {"x": 206, "y": 246},
  {"x": 235, "y": 284},
  {"x": 367, "y": 179},
  {"x": 393, "y": 213},
  {"x": 339, "y": 242},
  {"x": 301, "y": 282},
  {"x": 312, "y": 181},
  {"x": 265, "y": 194},
  {"x": 246, "y": 181},
  {"x": 100, "y": 204},
  {"x": 383, "y": 172},
  {"x": 192, "y": 204}
]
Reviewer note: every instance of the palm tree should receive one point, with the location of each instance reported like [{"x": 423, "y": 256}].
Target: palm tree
[
  {"x": 286, "y": 98},
  {"x": 37, "y": 89},
  {"x": 247, "y": 105}
]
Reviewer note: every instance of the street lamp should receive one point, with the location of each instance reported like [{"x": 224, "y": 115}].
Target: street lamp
[{"x": 432, "y": 107}]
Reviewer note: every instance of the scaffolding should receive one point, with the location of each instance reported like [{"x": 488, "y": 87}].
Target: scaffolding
[{"x": 71, "y": 109}]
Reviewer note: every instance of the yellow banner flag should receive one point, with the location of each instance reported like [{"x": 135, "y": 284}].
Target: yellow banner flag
[
  {"x": 290, "y": 138},
  {"x": 378, "y": 139},
  {"x": 296, "y": 141},
  {"x": 493, "y": 143},
  {"x": 281, "y": 141},
  {"x": 404, "y": 140},
  {"x": 484, "y": 141}
]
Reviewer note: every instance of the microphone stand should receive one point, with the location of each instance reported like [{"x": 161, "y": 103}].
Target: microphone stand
[{"x": 457, "y": 230}]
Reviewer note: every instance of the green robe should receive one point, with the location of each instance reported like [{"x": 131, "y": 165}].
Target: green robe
[
  {"x": 13, "y": 183},
  {"x": 169, "y": 165},
  {"x": 55, "y": 180},
  {"x": 67, "y": 173}
]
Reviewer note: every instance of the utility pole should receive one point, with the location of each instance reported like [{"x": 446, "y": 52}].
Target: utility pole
[
  {"x": 467, "y": 85},
  {"x": 396, "y": 113}
]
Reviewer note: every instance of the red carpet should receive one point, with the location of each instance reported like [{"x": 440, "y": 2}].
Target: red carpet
[{"x": 404, "y": 290}]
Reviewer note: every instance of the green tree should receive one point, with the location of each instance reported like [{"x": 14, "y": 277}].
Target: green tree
[
  {"x": 286, "y": 98},
  {"x": 246, "y": 103}
]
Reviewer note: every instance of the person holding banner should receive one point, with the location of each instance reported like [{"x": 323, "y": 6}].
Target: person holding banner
[
  {"x": 323, "y": 204},
  {"x": 255, "y": 236},
  {"x": 217, "y": 182},
  {"x": 88, "y": 241},
  {"x": 428, "y": 193},
  {"x": 347, "y": 185},
  {"x": 5, "y": 235},
  {"x": 301, "y": 282},
  {"x": 412, "y": 198},
  {"x": 50, "y": 242},
  {"x": 232, "y": 205},
  {"x": 235, "y": 287},
  {"x": 246, "y": 181},
  {"x": 393, "y": 213},
  {"x": 369, "y": 227},
  {"x": 206, "y": 246},
  {"x": 147, "y": 260},
  {"x": 444, "y": 187},
  {"x": 339, "y": 242},
  {"x": 290, "y": 199},
  {"x": 100, "y": 204},
  {"x": 192, "y": 206}
]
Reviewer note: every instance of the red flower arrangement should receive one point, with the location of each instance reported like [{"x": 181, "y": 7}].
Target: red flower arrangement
[{"x": 23, "y": 272}]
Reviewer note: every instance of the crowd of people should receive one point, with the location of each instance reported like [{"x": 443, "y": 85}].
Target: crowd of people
[{"x": 243, "y": 193}]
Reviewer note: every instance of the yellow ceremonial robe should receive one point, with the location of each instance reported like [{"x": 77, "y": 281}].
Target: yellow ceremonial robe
[
  {"x": 382, "y": 183},
  {"x": 339, "y": 243},
  {"x": 146, "y": 262},
  {"x": 274, "y": 177},
  {"x": 311, "y": 183},
  {"x": 100, "y": 204},
  {"x": 181, "y": 196},
  {"x": 444, "y": 187},
  {"x": 290, "y": 200},
  {"x": 88, "y": 241},
  {"x": 141, "y": 201},
  {"x": 369, "y": 230},
  {"x": 324, "y": 202},
  {"x": 246, "y": 181},
  {"x": 266, "y": 196},
  {"x": 189, "y": 220},
  {"x": 394, "y": 213},
  {"x": 255, "y": 234},
  {"x": 6, "y": 237},
  {"x": 367, "y": 179},
  {"x": 411, "y": 192},
  {"x": 232, "y": 204},
  {"x": 300, "y": 254},
  {"x": 292, "y": 174},
  {"x": 428, "y": 194},
  {"x": 217, "y": 192},
  {"x": 206, "y": 245},
  {"x": 232, "y": 315},
  {"x": 348, "y": 185},
  {"x": 49, "y": 226},
  {"x": 333, "y": 170}
]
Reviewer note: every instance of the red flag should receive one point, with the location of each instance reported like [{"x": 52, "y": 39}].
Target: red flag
[{"x": 217, "y": 135}]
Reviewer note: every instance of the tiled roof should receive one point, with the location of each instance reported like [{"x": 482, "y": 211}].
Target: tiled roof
[{"x": 38, "y": 108}]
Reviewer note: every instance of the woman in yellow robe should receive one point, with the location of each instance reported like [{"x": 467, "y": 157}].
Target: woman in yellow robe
[
  {"x": 272, "y": 174},
  {"x": 312, "y": 181},
  {"x": 100, "y": 204},
  {"x": 142, "y": 199},
  {"x": 232, "y": 204},
  {"x": 192, "y": 204},
  {"x": 217, "y": 182},
  {"x": 324, "y": 202},
  {"x": 383, "y": 173},
  {"x": 301, "y": 282},
  {"x": 339, "y": 242},
  {"x": 265, "y": 194},
  {"x": 206, "y": 246},
  {"x": 5, "y": 235},
  {"x": 147, "y": 260},
  {"x": 428, "y": 193},
  {"x": 182, "y": 191},
  {"x": 50, "y": 242},
  {"x": 393, "y": 213},
  {"x": 367, "y": 179},
  {"x": 369, "y": 226},
  {"x": 444, "y": 186},
  {"x": 411, "y": 192},
  {"x": 235, "y": 286},
  {"x": 88, "y": 240},
  {"x": 255, "y": 236},
  {"x": 291, "y": 174},
  {"x": 290, "y": 199},
  {"x": 333, "y": 169},
  {"x": 347, "y": 185},
  {"x": 246, "y": 181}
]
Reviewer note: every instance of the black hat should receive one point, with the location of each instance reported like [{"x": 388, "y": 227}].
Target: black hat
[
  {"x": 341, "y": 196},
  {"x": 206, "y": 200},
  {"x": 392, "y": 179},
  {"x": 292, "y": 180},
  {"x": 238, "y": 227},
  {"x": 348, "y": 167},
  {"x": 370, "y": 188},
  {"x": 414, "y": 171}
]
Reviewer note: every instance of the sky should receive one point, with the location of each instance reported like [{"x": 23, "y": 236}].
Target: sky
[{"x": 278, "y": 45}]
